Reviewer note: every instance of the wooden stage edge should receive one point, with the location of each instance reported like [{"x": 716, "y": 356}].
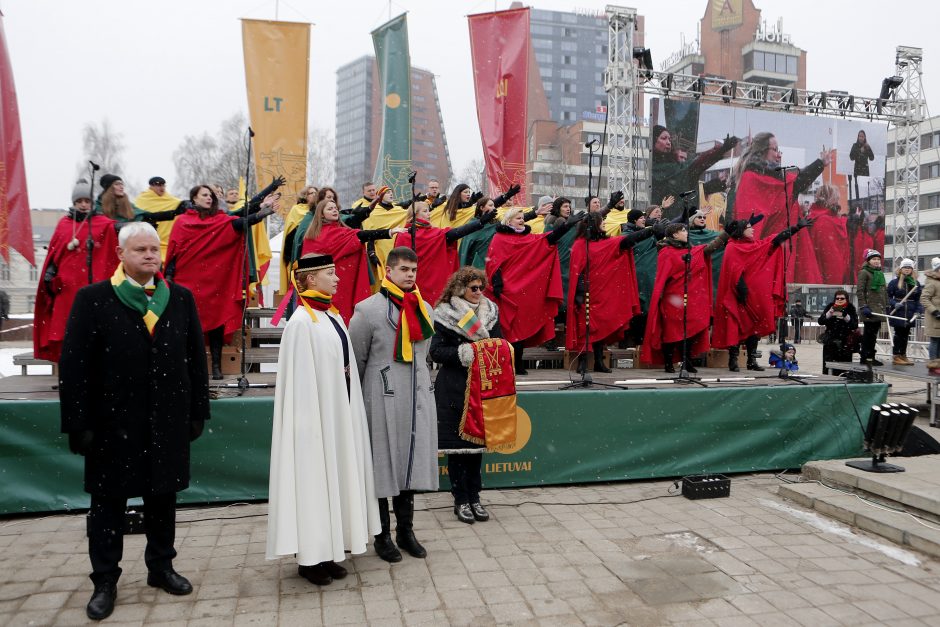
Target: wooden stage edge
[{"x": 43, "y": 387}]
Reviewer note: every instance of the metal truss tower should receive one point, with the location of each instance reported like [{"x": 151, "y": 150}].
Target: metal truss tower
[
  {"x": 909, "y": 104},
  {"x": 620, "y": 81}
]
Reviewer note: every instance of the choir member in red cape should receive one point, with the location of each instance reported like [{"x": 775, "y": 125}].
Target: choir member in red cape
[
  {"x": 329, "y": 235},
  {"x": 436, "y": 247},
  {"x": 66, "y": 269},
  {"x": 206, "y": 254},
  {"x": 751, "y": 290},
  {"x": 524, "y": 280},
  {"x": 459, "y": 207},
  {"x": 829, "y": 236},
  {"x": 665, "y": 330},
  {"x": 760, "y": 189},
  {"x": 614, "y": 295}
]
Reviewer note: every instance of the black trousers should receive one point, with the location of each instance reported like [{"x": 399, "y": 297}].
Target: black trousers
[
  {"x": 901, "y": 336},
  {"x": 797, "y": 330},
  {"x": 466, "y": 478},
  {"x": 106, "y": 534},
  {"x": 869, "y": 339}
]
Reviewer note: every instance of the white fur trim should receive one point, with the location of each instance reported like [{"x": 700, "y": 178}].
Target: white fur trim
[{"x": 465, "y": 352}]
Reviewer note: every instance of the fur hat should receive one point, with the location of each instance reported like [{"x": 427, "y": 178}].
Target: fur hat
[
  {"x": 108, "y": 180},
  {"x": 907, "y": 263},
  {"x": 81, "y": 190},
  {"x": 871, "y": 252}
]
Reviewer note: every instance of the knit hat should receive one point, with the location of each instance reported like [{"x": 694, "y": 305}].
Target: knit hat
[
  {"x": 907, "y": 263},
  {"x": 156, "y": 180},
  {"x": 545, "y": 200},
  {"x": 633, "y": 215},
  {"x": 381, "y": 192},
  {"x": 935, "y": 264},
  {"x": 871, "y": 252},
  {"x": 81, "y": 190},
  {"x": 108, "y": 180}
]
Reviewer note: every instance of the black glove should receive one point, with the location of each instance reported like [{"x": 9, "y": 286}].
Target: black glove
[
  {"x": 487, "y": 217},
  {"x": 659, "y": 229},
  {"x": 741, "y": 290},
  {"x": 277, "y": 182},
  {"x": 80, "y": 441},
  {"x": 574, "y": 218},
  {"x": 512, "y": 191},
  {"x": 615, "y": 198},
  {"x": 936, "y": 314},
  {"x": 802, "y": 223},
  {"x": 406, "y": 203},
  {"x": 195, "y": 429},
  {"x": 440, "y": 200},
  {"x": 730, "y": 142},
  {"x": 475, "y": 197}
]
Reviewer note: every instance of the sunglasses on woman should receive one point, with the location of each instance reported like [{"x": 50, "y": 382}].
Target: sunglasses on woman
[{"x": 475, "y": 288}]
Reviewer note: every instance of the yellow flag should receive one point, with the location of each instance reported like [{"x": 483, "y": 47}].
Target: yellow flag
[
  {"x": 277, "y": 70},
  {"x": 150, "y": 202}
]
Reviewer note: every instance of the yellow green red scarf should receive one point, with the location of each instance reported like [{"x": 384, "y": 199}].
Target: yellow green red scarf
[
  {"x": 414, "y": 321},
  {"x": 135, "y": 297},
  {"x": 312, "y": 299}
]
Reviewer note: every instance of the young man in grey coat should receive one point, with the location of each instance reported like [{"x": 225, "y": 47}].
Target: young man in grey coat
[{"x": 390, "y": 333}]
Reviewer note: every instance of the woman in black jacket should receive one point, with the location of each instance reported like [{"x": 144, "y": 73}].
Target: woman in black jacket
[
  {"x": 841, "y": 320},
  {"x": 450, "y": 347}
]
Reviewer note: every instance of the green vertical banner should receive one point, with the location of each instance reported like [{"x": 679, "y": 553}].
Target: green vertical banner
[{"x": 393, "y": 163}]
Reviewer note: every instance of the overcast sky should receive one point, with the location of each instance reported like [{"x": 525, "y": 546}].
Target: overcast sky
[{"x": 163, "y": 69}]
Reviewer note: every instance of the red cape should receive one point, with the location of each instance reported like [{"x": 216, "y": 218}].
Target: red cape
[
  {"x": 664, "y": 319},
  {"x": 615, "y": 297},
  {"x": 830, "y": 240},
  {"x": 437, "y": 260},
  {"x": 531, "y": 286},
  {"x": 209, "y": 257},
  {"x": 762, "y": 193},
  {"x": 52, "y": 312},
  {"x": 761, "y": 265},
  {"x": 343, "y": 244}
]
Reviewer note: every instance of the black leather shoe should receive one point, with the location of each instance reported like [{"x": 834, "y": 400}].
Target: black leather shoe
[
  {"x": 170, "y": 581},
  {"x": 464, "y": 514},
  {"x": 385, "y": 549},
  {"x": 521, "y": 371},
  {"x": 406, "y": 540},
  {"x": 600, "y": 367},
  {"x": 753, "y": 365},
  {"x": 690, "y": 368},
  {"x": 670, "y": 368},
  {"x": 102, "y": 601},
  {"x": 479, "y": 512},
  {"x": 315, "y": 574},
  {"x": 335, "y": 570}
]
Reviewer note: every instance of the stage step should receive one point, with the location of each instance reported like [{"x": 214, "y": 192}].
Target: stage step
[
  {"x": 266, "y": 335},
  {"x": 882, "y": 504},
  {"x": 24, "y": 360},
  {"x": 266, "y": 355}
]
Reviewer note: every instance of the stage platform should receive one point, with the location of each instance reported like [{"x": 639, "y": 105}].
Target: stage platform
[{"x": 653, "y": 427}]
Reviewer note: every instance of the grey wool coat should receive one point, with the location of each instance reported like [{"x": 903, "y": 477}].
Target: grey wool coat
[{"x": 399, "y": 401}]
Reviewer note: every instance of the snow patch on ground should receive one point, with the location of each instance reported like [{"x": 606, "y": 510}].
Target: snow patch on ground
[
  {"x": 690, "y": 541},
  {"x": 827, "y": 525}
]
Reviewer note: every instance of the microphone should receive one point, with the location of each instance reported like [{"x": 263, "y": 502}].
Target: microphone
[
  {"x": 781, "y": 168},
  {"x": 593, "y": 142},
  {"x": 94, "y": 166},
  {"x": 688, "y": 193},
  {"x": 251, "y": 133}
]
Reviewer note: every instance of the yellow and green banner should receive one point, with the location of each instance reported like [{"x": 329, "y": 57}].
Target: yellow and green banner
[{"x": 393, "y": 161}]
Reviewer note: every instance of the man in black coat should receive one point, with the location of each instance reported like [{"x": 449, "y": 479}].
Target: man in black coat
[{"x": 134, "y": 393}]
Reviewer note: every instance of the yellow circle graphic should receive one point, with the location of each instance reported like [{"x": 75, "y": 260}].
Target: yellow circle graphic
[
  {"x": 392, "y": 101},
  {"x": 523, "y": 432}
]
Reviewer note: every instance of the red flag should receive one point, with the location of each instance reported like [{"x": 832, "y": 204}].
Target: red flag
[
  {"x": 499, "y": 46},
  {"x": 15, "y": 229}
]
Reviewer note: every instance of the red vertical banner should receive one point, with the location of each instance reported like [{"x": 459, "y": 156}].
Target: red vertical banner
[
  {"x": 15, "y": 229},
  {"x": 499, "y": 46}
]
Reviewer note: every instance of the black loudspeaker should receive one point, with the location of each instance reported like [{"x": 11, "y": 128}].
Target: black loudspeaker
[{"x": 918, "y": 443}]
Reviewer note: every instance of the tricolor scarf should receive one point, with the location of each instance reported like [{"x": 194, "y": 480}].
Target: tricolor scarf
[
  {"x": 135, "y": 297},
  {"x": 313, "y": 299},
  {"x": 419, "y": 223},
  {"x": 414, "y": 321}
]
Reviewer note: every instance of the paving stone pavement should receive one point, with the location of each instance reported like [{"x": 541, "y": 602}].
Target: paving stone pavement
[{"x": 630, "y": 553}]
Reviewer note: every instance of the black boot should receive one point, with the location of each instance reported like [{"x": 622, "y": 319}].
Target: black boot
[
  {"x": 582, "y": 363},
  {"x": 404, "y": 505},
  {"x": 733, "y": 359},
  {"x": 383, "y": 545},
  {"x": 751, "y": 345},
  {"x": 215, "y": 351},
  {"x": 519, "y": 362},
  {"x": 689, "y": 367},
  {"x": 667, "y": 357},
  {"x": 102, "y": 601},
  {"x": 599, "y": 359}
]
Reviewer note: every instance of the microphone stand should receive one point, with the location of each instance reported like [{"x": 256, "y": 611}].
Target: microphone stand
[
  {"x": 243, "y": 383},
  {"x": 90, "y": 240},
  {"x": 413, "y": 229},
  {"x": 782, "y": 321},
  {"x": 684, "y": 376}
]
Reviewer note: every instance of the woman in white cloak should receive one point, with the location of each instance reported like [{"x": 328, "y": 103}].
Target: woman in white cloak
[{"x": 322, "y": 500}]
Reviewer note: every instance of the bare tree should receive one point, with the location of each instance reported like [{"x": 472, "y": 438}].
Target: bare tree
[
  {"x": 219, "y": 159},
  {"x": 473, "y": 174},
  {"x": 321, "y": 157},
  {"x": 103, "y": 145}
]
